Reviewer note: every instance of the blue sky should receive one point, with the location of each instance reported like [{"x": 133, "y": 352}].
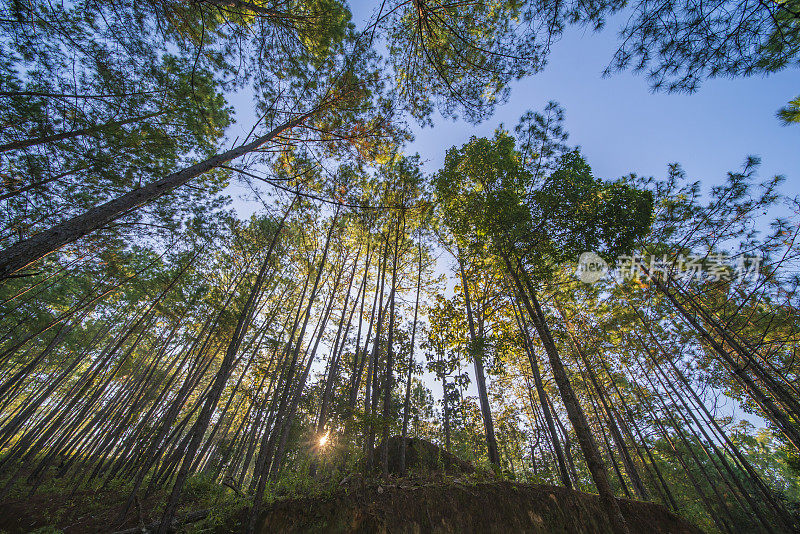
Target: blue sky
[{"x": 623, "y": 127}]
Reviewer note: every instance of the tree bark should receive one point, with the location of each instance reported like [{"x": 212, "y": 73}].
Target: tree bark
[
  {"x": 23, "y": 253},
  {"x": 480, "y": 375},
  {"x": 574, "y": 410},
  {"x": 407, "y": 400}
]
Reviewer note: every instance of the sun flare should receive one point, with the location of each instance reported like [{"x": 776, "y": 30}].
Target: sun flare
[{"x": 323, "y": 440}]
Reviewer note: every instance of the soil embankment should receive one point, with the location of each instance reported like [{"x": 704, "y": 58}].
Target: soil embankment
[{"x": 500, "y": 507}]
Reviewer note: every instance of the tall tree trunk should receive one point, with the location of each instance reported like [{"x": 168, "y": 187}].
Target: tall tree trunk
[
  {"x": 771, "y": 410},
  {"x": 476, "y": 352},
  {"x": 23, "y": 253},
  {"x": 720, "y": 522},
  {"x": 199, "y": 429},
  {"x": 788, "y": 523},
  {"x": 360, "y": 361},
  {"x": 578, "y": 419},
  {"x": 261, "y": 475},
  {"x": 333, "y": 365},
  {"x": 372, "y": 393},
  {"x": 388, "y": 381},
  {"x": 548, "y": 417},
  {"x": 789, "y": 398},
  {"x": 668, "y": 385},
  {"x": 446, "y": 409},
  {"x": 407, "y": 400},
  {"x": 630, "y": 468},
  {"x": 731, "y": 524}
]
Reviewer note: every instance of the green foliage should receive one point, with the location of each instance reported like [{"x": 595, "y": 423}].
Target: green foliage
[
  {"x": 791, "y": 112},
  {"x": 481, "y": 189},
  {"x": 582, "y": 213},
  {"x": 111, "y": 347},
  {"x": 679, "y": 44},
  {"x": 462, "y": 58},
  {"x": 491, "y": 201}
]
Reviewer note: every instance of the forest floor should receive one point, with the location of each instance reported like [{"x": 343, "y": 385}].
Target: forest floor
[
  {"x": 57, "y": 507},
  {"x": 440, "y": 493},
  {"x": 408, "y": 505}
]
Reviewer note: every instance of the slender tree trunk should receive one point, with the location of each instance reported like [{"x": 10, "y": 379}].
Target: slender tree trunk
[
  {"x": 23, "y": 253},
  {"x": 446, "y": 409},
  {"x": 548, "y": 417},
  {"x": 46, "y": 432},
  {"x": 787, "y": 522},
  {"x": 360, "y": 356},
  {"x": 602, "y": 431},
  {"x": 407, "y": 400},
  {"x": 771, "y": 410},
  {"x": 333, "y": 366},
  {"x": 198, "y": 430},
  {"x": 260, "y": 475},
  {"x": 741, "y": 347},
  {"x": 630, "y": 468},
  {"x": 360, "y": 361},
  {"x": 718, "y": 460},
  {"x": 721, "y": 524},
  {"x": 476, "y": 352},
  {"x": 668, "y": 385},
  {"x": 372, "y": 393},
  {"x": 578, "y": 419},
  {"x": 730, "y": 523},
  {"x": 388, "y": 382}
]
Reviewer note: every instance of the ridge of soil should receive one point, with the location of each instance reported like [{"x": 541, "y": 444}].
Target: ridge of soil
[
  {"x": 440, "y": 494},
  {"x": 490, "y": 507}
]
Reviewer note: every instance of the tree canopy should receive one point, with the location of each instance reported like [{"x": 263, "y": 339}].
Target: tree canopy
[{"x": 161, "y": 342}]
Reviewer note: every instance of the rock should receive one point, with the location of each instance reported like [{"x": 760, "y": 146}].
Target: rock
[{"x": 422, "y": 455}]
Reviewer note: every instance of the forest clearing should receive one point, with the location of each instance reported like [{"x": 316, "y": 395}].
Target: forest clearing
[{"x": 329, "y": 266}]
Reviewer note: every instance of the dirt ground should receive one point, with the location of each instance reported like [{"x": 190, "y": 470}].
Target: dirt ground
[
  {"x": 440, "y": 494},
  {"x": 493, "y": 507},
  {"x": 78, "y": 513}
]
